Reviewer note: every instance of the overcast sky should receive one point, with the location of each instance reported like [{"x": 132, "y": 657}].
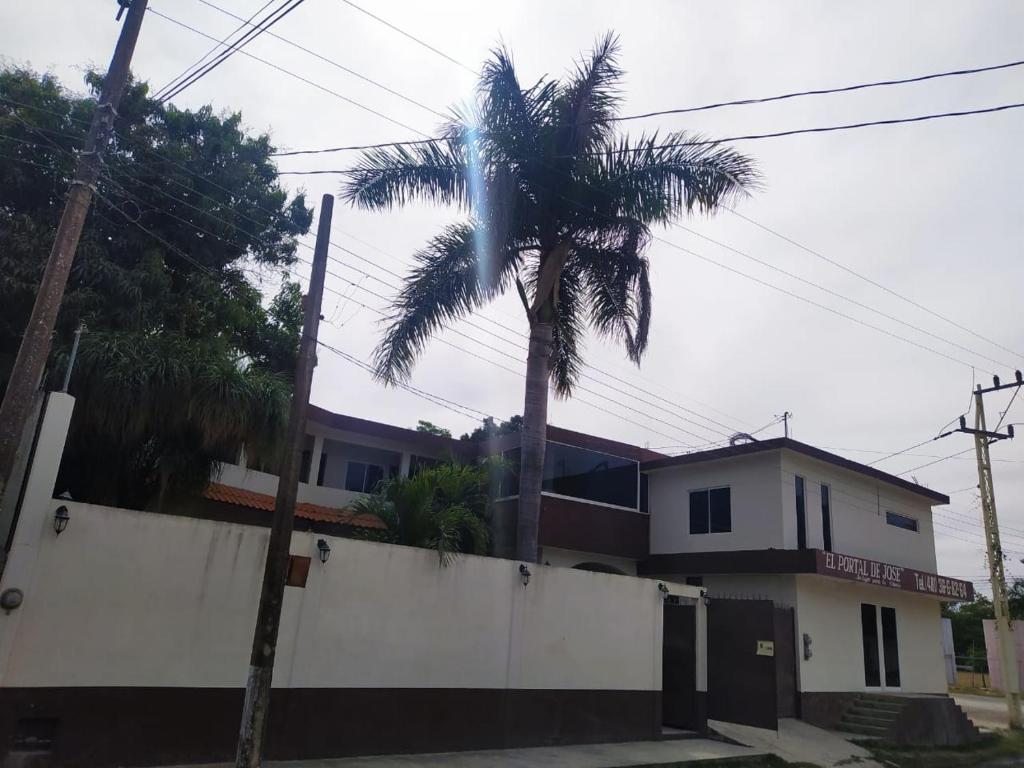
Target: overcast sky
[{"x": 931, "y": 211}]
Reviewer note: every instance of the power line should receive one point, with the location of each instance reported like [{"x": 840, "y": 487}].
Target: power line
[
  {"x": 412, "y": 37},
  {"x": 849, "y": 270},
  {"x": 333, "y": 63},
  {"x": 707, "y": 142},
  {"x": 270, "y": 20},
  {"x": 295, "y": 75},
  {"x": 199, "y": 62}
]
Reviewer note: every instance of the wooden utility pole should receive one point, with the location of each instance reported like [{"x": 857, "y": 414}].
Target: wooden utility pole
[
  {"x": 1004, "y": 636},
  {"x": 35, "y": 344},
  {"x": 264, "y": 641}
]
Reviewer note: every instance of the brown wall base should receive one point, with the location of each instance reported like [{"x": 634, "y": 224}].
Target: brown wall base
[
  {"x": 824, "y": 709},
  {"x": 152, "y": 726}
]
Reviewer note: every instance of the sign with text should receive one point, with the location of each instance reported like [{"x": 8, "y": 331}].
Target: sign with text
[
  {"x": 765, "y": 647},
  {"x": 894, "y": 576}
]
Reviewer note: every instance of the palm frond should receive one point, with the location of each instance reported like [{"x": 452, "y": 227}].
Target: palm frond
[
  {"x": 568, "y": 330},
  {"x": 657, "y": 179},
  {"x": 619, "y": 290},
  {"x": 444, "y": 286},
  {"x": 590, "y": 98},
  {"x": 386, "y": 177}
]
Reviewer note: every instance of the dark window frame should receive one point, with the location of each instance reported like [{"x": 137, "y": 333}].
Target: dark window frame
[
  {"x": 904, "y": 522},
  {"x": 702, "y": 510},
  {"x": 800, "y": 490},
  {"x": 826, "y": 517}
]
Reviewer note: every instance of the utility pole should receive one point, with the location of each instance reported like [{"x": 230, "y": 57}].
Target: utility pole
[
  {"x": 35, "y": 344},
  {"x": 786, "y": 415},
  {"x": 264, "y": 641},
  {"x": 1004, "y": 637}
]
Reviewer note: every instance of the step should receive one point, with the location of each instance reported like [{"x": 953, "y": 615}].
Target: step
[
  {"x": 867, "y": 719},
  {"x": 862, "y": 729},
  {"x": 878, "y": 705},
  {"x": 868, "y": 709}
]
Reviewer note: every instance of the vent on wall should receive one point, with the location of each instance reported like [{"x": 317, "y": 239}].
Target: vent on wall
[{"x": 35, "y": 734}]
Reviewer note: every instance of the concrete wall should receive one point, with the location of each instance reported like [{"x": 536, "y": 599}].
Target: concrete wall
[
  {"x": 858, "y": 505},
  {"x": 160, "y": 600},
  {"x": 755, "y": 498},
  {"x": 829, "y": 611},
  {"x": 995, "y": 664}
]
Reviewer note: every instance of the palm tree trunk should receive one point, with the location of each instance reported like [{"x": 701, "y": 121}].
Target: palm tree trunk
[{"x": 535, "y": 428}]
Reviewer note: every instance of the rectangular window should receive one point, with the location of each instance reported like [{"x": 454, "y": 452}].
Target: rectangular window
[
  {"x": 364, "y": 478},
  {"x": 711, "y": 511},
  {"x": 304, "y": 464},
  {"x": 645, "y": 503},
  {"x": 801, "y": 515},
  {"x": 826, "y": 517},
  {"x": 890, "y": 648},
  {"x": 900, "y": 521},
  {"x": 869, "y": 637}
]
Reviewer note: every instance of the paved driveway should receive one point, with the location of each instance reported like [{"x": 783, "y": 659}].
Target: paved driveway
[{"x": 985, "y": 711}]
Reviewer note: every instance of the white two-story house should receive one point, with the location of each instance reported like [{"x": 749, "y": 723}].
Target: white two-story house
[{"x": 849, "y": 548}]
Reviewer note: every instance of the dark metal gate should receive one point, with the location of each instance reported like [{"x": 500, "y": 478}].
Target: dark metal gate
[
  {"x": 679, "y": 667},
  {"x": 785, "y": 661},
  {"x": 742, "y": 665}
]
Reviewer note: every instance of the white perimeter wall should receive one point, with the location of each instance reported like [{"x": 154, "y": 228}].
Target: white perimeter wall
[{"x": 126, "y": 598}]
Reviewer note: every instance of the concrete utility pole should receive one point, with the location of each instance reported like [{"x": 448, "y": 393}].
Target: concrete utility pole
[
  {"x": 264, "y": 641},
  {"x": 35, "y": 344},
  {"x": 786, "y": 416},
  {"x": 1007, "y": 648}
]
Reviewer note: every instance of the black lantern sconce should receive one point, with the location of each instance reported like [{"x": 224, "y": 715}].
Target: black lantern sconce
[
  {"x": 707, "y": 598},
  {"x": 663, "y": 588},
  {"x": 524, "y": 573},
  {"x": 324, "y": 549},
  {"x": 60, "y": 519}
]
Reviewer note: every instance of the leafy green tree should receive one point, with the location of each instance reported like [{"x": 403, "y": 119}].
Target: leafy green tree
[
  {"x": 560, "y": 208},
  {"x": 432, "y": 429},
  {"x": 182, "y": 358},
  {"x": 488, "y": 428},
  {"x": 442, "y": 508},
  {"x": 967, "y": 618}
]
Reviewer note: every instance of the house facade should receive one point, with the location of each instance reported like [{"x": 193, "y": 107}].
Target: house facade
[{"x": 844, "y": 552}]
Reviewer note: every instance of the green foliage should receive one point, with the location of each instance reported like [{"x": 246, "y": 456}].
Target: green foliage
[
  {"x": 182, "y": 360},
  {"x": 442, "y": 508},
  {"x": 432, "y": 429},
  {"x": 488, "y": 428},
  {"x": 559, "y": 208},
  {"x": 968, "y": 630}
]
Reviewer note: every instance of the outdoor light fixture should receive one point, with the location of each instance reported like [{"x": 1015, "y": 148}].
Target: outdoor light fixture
[
  {"x": 662, "y": 588},
  {"x": 60, "y": 519},
  {"x": 324, "y": 549},
  {"x": 707, "y": 598},
  {"x": 807, "y": 646},
  {"x": 524, "y": 573},
  {"x": 11, "y": 599}
]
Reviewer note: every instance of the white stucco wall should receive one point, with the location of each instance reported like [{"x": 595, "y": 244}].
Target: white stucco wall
[
  {"x": 125, "y": 598},
  {"x": 755, "y": 498},
  {"x": 829, "y": 611},
  {"x": 569, "y": 558},
  {"x": 858, "y": 504}
]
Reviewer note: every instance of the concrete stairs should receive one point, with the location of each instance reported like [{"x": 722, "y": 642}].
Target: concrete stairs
[
  {"x": 871, "y": 715},
  {"x": 910, "y": 719}
]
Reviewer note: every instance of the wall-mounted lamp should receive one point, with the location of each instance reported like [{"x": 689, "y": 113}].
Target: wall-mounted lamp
[
  {"x": 663, "y": 588},
  {"x": 60, "y": 519},
  {"x": 324, "y": 549},
  {"x": 524, "y": 573},
  {"x": 807, "y": 646},
  {"x": 707, "y": 598}
]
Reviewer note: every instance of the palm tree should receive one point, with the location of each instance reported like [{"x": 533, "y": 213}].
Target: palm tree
[
  {"x": 560, "y": 209},
  {"x": 442, "y": 508}
]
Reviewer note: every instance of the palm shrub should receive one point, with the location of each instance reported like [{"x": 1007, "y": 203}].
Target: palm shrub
[
  {"x": 442, "y": 508},
  {"x": 560, "y": 208}
]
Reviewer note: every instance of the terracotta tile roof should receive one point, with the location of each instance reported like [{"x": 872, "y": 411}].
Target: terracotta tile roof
[{"x": 265, "y": 502}]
